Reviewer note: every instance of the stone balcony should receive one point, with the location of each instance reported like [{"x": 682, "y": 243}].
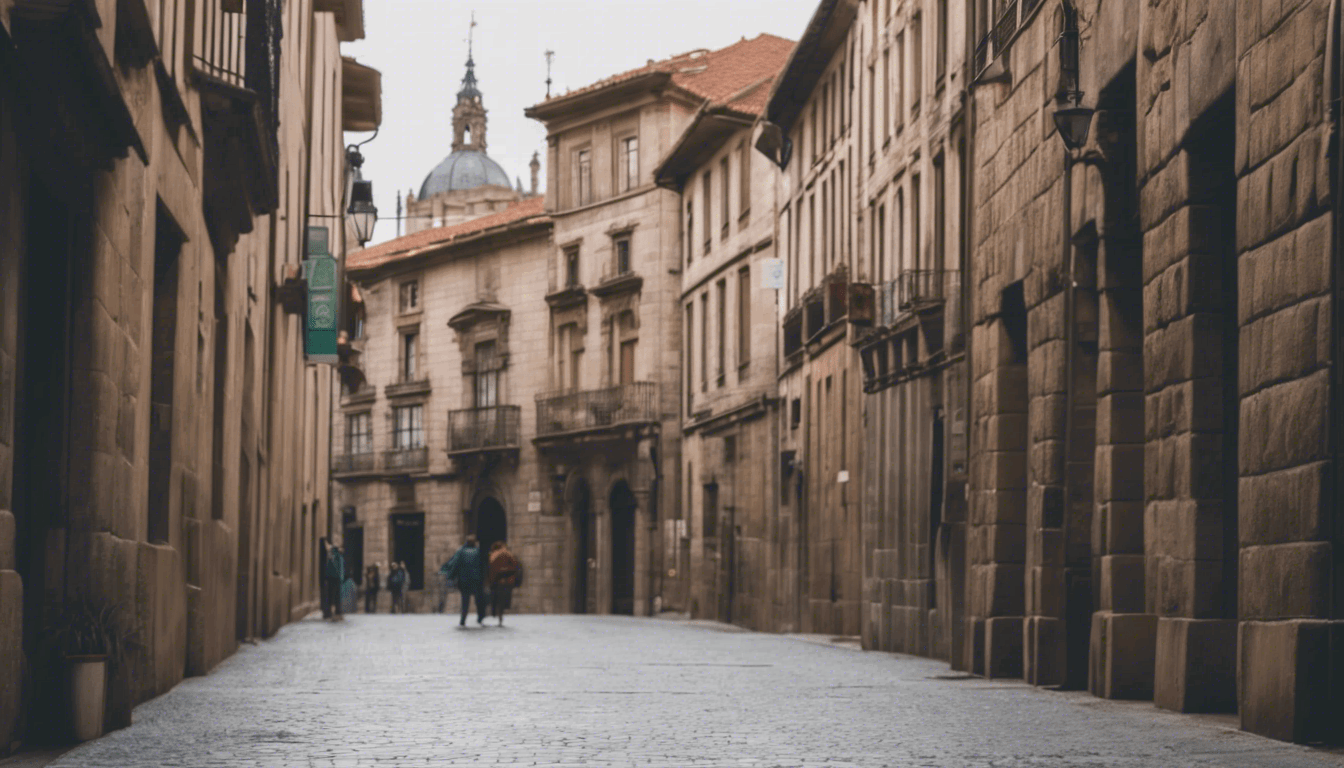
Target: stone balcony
[
  {"x": 597, "y": 410},
  {"x": 481, "y": 430}
]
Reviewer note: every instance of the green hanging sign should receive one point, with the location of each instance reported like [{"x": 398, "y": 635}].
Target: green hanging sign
[{"x": 321, "y": 272}]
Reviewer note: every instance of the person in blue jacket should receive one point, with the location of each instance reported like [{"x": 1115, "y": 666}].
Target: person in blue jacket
[{"x": 467, "y": 568}]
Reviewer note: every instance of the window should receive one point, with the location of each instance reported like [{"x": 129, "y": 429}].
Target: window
[
  {"x": 898, "y": 82},
  {"x": 898, "y": 248},
  {"x": 706, "y": 185},
  {"x": 583, "y": 163},
  {"x": 410, "y": 350},
  {"x": 916, "y": 61},
  {"x": 408, "y": 431},
  {"x": 941, "y": 63},
  {"x": 825, "y": 224},
  {"x": 730, "y": 449},
  {"x": 359, "y": 433},
  {"x": 629, "y": 163},
  {"x": 723, "y": 198},
  {"x": 722, "y": 288},
  {"x": 744, "y": 180},
  {"x": 939, "y": 214},
  {"x": 872, "y": 108},
  {"x": 690, "y": 231},
  {"x": 824, "y": 130},
  {"x": 915, "y": 253},
  {"x": 795, "y": 413},
  {"x": 886, "y": 96},
  {"x": 572, "y": 266},
  {"x": 410, "y": 296},
  {"x": 487, "y": 376},
  {"x": 880, "y": 234},
  {"x": 704, "y": 342},
  {"x": 689, "y": 356},
  {"x": 622, "y": 247},
  {"x": 627, "y": 362},
  {"x": 568, "y": 356},
  {"x": 743, "y": 318}
]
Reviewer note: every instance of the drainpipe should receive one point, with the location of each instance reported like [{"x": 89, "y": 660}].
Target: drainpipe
[
  {"x": 967, "y": 240},
  {"x": 1334, "y": 75}
]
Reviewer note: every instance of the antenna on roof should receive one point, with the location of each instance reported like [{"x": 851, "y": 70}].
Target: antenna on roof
[
  {"x": 471, "y": 32},
  {"x": 550, "y": 56}
]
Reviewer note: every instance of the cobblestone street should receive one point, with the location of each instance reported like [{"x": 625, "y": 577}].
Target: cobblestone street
[{"x": 607, "y": 691}]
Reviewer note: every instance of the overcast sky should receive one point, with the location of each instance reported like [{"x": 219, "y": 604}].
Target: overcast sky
[{"x": 420, "y": 46}]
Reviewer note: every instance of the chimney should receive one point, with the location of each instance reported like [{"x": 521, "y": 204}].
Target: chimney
[{"x": 535, "y": 165}]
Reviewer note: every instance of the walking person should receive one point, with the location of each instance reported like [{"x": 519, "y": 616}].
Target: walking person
[
  {"x": 467, "y": 568},
  {"x": 333, "y": 574},
  {"x": 405, "y": 586},
  {"x": 505, "y": 574},
  {"x": 372, "y": 583},
  {"x": 396, "y": 584}
]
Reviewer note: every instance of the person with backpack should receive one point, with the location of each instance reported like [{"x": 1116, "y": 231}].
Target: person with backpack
[
  {"x": 372, "y": 583},
  {"x": 333, "y": 575},
  {"x": 505, "y": 574},
  {"x": 396, "y": 584},
  {"x": 467, "y": 568}
]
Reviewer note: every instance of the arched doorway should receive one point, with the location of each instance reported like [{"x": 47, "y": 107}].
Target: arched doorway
[
  {"x": 579, "y": 501},
  {"x": 622, "y": 505},
  {"x": 488, "y": 522}
]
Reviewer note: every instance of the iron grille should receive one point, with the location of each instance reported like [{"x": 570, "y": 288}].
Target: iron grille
[
  {"x": 475, "y": 429},
  {"x": 634, "y": 403},
  {"x": 406, "y": 460},
  {"x": 354, "y": 462}
]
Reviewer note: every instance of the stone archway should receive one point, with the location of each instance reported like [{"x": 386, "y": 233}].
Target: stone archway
[
  {"x": 488, "y": 520},
  {"x": 622, "y": 504}
]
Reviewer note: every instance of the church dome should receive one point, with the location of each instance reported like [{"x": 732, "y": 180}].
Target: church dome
[{"x": 464, "y": 169}]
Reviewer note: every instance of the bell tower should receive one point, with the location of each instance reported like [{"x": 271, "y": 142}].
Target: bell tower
[{"x": 469, "y": 114}]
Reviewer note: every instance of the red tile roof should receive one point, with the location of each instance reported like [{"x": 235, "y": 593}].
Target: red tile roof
[
  {"x": 410, "y": 245},
  {"x": 717, "y": 76}
]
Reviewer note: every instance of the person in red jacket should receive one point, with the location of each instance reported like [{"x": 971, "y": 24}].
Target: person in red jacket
[{"x": 504, "y": 574}]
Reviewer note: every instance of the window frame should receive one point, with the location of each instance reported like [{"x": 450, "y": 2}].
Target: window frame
[
  {"x": 410, "y": 435},
  {"x": 359, "y": 433},
  {"x": 410, "y": 354},
  {"x": 414, "y": 306}
]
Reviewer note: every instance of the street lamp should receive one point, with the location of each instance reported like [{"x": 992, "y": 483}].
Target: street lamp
[
  {"x": 363, "y": 214},
  {"x": 1073, "y": 124}
]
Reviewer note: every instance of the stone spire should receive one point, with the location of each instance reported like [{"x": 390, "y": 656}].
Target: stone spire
[
  {"x": 469, "y": 114},
  {"x": 535, "y": 165}
]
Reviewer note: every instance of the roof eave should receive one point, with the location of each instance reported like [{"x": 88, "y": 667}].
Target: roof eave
[
  {"x": 701, "y": 139},
  {"x": 432, "y": 249},
  {"x": 562, "y": 105},
  {"x": 824, "y": 35}
]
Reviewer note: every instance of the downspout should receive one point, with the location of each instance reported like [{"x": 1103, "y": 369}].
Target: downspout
[{"x": 1333, "y": 76}]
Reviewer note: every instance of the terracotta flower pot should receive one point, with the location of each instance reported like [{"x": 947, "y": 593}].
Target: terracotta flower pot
[{"x": 88, "y": 689}]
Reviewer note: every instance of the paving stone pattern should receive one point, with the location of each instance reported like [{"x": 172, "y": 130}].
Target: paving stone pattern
[{"x": 413, "y": 690}]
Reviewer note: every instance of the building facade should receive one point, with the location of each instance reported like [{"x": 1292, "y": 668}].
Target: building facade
[
  {"x": 722, "y": 549},
  {"x": 162, "y": 442},
  {"x": 809, "y": 132},
  {"x": 1098, "y": 426},
  {"x": 1153, "y": 413},
  {"x": 438, "y": 443}
]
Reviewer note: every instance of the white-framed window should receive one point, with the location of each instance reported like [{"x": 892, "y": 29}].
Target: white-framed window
[
  {"x": 408, "y": 430},
  {"x": 408, "y": 299},
  {"x": 628, "y": 150},
  {"x": 359, "y": 433}
]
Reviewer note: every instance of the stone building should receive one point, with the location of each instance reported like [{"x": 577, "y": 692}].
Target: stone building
[
  {"x": 468, "y": 183},
  {"x": 910, "y": 125},
  {"x": 610, "y": 426},
  {"x": 162, "y": 442},
  {"x": 809, "y": 132},
  {"x": 1130, "y": 488},
  {"x": 439, "y": 444},
  {"x": 1155, "y": 359},
  {"x": 722, "y": 545}
]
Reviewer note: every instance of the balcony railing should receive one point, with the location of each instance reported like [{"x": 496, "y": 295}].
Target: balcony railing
[
  {"x": 480, "y": 429},
  {"x": 353, "y": 462},
  {"x": 920, "y": 286},
  {"x": 635, "y": 403},
  {"x": 406, "y": 459}
]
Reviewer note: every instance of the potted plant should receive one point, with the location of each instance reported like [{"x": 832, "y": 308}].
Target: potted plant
[{"x": 88, "y": 635}]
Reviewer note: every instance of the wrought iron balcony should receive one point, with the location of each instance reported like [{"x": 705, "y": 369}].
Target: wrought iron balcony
[
  {"x": 484, "y": 429},
  {"x": 921, "y": 286},
  {"x": 406, "y": 459},
  {"x": 353, "y": 462},
  {"x": 596, "y": 409}
]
